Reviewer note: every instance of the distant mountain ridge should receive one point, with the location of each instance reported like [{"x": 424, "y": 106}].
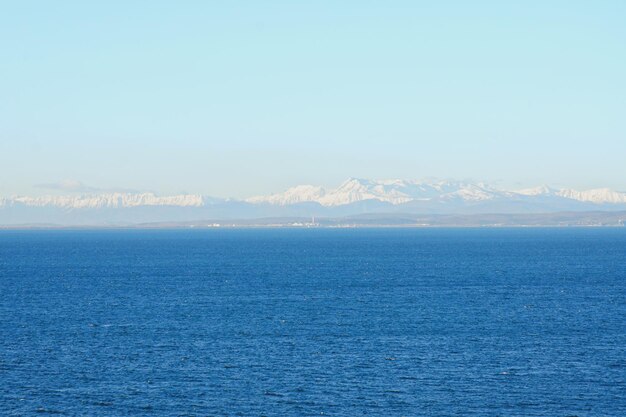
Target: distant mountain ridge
[
  {"x": 404, "y": 191},
  {"x": 353, "y": 197},
  {"x": 107, "y": 200}
]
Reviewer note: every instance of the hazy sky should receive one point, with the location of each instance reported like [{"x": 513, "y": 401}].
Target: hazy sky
[{"x": 232, "y": 98}]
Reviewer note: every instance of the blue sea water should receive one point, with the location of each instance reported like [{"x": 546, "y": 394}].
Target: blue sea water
[{"x": 378, "y": 322}]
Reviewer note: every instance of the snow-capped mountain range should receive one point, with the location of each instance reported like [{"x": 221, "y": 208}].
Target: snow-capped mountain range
[
  {"x": 354, "y": 190},
  {"x": 107, "y": 200},
  {"x": 404, "y": 191},
  {"x": 352, "y": 197}
]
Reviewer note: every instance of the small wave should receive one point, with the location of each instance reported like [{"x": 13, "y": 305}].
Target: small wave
[
  {"x": 273, "y": 394},
  {"x": 42, "y": 410}
]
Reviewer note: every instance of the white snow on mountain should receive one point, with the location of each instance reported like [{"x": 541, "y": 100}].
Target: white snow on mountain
[
  {"x": 294, "y": 195},
  {"x": 111, "y": 200},
  {"x": 392, "y": 191},
  {"x": 403, "y": 191},
  {"x": 598, "y": 195},
  {"x": 353, "y": 190},
  {"x": 541, "y": 190}
]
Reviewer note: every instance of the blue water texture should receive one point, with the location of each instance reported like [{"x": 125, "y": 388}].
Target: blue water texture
[{"x": 315, "y": 322}]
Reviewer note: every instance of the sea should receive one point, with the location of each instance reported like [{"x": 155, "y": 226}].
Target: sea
[{"x": 313, "y": 322}]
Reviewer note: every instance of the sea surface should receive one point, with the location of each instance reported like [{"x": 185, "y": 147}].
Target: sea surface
[{"x": 314, "y": 322}]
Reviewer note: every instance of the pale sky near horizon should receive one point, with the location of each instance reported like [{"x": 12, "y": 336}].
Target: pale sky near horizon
[{"x": 242, "y": 98}]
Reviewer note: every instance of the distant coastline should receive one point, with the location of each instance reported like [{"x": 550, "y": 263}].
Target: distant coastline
[{"x": 386, "y": 220}]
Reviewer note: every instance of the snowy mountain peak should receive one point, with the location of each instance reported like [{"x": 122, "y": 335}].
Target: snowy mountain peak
[
  {"x": 540, "y": 190},
  {"x": 294, "y": 195},
  {"x": 598, "y": 195}
]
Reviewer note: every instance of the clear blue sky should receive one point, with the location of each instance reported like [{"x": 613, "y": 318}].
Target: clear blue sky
[{"x": 237, "y": 98}]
